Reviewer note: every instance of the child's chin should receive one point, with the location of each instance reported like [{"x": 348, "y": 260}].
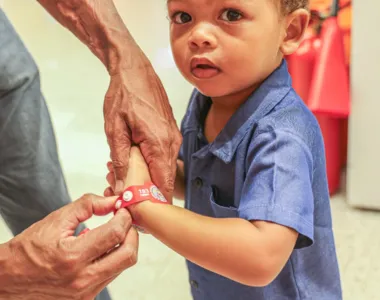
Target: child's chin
[{"x": 212, "y": 92}]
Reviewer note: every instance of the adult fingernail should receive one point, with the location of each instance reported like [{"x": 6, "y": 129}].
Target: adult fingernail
[
  {"x": 119, "y": 186},
  {"x": 118, "y": 204}
]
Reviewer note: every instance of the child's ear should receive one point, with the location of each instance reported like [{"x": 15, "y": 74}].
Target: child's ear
[{"x": 295, "y": 26}]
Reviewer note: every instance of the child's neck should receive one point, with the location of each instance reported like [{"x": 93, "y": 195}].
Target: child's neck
[
  {"x": 221, "y": 111},
  {"x": 224, "y": 107}
]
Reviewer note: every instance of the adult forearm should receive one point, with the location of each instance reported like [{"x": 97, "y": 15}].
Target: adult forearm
[{"x": 99, "y": 26}]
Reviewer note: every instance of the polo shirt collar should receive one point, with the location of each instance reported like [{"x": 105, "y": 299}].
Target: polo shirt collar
[{"x": 259, "y": 103}]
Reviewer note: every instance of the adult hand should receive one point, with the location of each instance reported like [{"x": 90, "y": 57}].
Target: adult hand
[
  {"x": 47, "y": 261},
  {"x": 137, "y": 111},
  {"x": 136, "y": 107},
  {"x": 138, "y": 172}
]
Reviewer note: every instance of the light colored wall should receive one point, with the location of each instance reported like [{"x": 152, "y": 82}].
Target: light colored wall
[{"x": 363, "y": 181}]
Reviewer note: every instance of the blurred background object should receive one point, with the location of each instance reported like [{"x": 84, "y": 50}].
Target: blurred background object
[{"x": 320, "y": 73}]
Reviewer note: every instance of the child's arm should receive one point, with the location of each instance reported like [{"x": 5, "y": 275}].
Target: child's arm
[{"x": 252, "y": 253}]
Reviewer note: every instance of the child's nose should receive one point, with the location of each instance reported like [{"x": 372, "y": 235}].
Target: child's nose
[{"x": 202, "y": 37}]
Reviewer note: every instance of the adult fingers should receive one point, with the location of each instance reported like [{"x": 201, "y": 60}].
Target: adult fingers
[
  {"x": 119, "y": 140},
  {"x": 96, "y": 242},
  {"x": 108, "y": 192},
  {"x": 111, "y": 179},
  {"x": 120, "y": 258},
  {"x": 84, "y": 208}
]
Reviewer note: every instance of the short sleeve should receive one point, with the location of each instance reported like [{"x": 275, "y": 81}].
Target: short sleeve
[{"x": 278, "y": 184}]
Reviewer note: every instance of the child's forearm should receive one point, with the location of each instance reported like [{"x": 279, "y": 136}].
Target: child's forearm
[
  {"x": 234, "y": 248},
  {"x": 250, "y": 253},
  {"x": 179, "y": 187}
]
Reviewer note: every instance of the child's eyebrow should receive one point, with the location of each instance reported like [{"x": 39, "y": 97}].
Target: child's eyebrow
[
  {"x": 169, "y": 1},
  {"x": 181, "y": 1}
]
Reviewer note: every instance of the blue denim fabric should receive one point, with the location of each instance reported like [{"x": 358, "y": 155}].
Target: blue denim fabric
[{"x": 268, "y": 163}]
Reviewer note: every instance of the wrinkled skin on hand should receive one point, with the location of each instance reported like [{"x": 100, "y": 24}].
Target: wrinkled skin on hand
[
  {"x": 47, "y": 262},
  {"x": 138, "y": 172},
  {"x": 136, "y": 107},
  {"x": 137, "y": 111}
]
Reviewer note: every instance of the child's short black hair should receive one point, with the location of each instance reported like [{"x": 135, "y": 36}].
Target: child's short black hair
[{"x": 288, "y": 6}]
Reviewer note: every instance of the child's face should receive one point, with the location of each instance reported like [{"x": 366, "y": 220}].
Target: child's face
[{"x": 226, "y": 46}]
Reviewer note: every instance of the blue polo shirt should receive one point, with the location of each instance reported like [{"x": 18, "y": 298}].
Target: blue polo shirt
[{"x": 268, "y": 163}]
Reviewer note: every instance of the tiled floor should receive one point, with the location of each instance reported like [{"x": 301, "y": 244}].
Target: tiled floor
[{"x": 74, "y": 83}]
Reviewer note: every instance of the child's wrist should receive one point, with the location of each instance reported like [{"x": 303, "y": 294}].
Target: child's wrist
[
  {"x": 138, "y": 198},
  {"x": 137, "y": 209}
]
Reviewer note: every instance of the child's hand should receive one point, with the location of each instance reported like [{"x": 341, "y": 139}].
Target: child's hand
[{"x": 138, "y": 172}]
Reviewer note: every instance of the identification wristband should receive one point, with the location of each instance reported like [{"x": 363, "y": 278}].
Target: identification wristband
[
  {"x": 139, "y": 193},
  {"x": 136, "y": 194}
]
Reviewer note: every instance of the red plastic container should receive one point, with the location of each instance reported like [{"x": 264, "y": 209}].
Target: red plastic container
[
  {"x": 332, "y": 133},
  {"x": 301, "y": 65},
  {"x": 330, "y": 93},
  {"x": 320, "y": 76}
]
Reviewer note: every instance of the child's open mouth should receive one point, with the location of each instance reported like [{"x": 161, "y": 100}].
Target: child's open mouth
[{"x": 202, "y": 68}]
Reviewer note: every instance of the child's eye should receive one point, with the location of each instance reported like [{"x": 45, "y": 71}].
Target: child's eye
[
  {"x": 181, "y": 17},
  {"x": 231, "y": 15}
]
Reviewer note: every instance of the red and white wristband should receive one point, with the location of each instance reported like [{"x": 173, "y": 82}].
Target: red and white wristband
[
  {"x": 140, "y": 193},
  {"x": 135, "y": 194}
]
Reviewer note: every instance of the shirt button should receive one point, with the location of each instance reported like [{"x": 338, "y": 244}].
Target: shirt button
[
  {"x": 198, "y": 182},
  {"x": 194, "y": 284}
]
